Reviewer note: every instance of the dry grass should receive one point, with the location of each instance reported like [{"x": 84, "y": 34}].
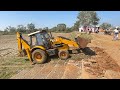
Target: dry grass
[{"x": 73, "y": 35}]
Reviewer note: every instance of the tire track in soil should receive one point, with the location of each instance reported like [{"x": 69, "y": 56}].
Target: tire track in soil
[
  {"x": 7, "y": 52},
  {"x": 4, "y": 49},
  {"x": 72, "y": 70},
  {"x": 58, "y": 70},
  {"x": 42, "y": 74}
]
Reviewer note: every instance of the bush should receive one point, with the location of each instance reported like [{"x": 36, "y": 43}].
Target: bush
[
  {"x": 66, "y": 31},
  {"x": 1, "y": 32}
]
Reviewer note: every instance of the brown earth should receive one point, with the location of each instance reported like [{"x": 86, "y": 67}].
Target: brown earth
[
  {"x": 100, "y": 60},
  {"x": 107, "y": 58}
]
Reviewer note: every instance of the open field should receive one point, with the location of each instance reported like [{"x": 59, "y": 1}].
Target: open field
[{"x": 99, "y": 60}]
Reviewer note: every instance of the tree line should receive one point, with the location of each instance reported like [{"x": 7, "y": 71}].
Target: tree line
[
  {"x": 84, "y": 18},
  {"x": 31, "y": 28}
]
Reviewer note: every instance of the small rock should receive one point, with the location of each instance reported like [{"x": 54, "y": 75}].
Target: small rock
[
  {"x": 87, "y": 64},
  {"x": 92, "y": 61},
  {"x": 71, "y": 61},
  {"x": 78, "y": 64}
]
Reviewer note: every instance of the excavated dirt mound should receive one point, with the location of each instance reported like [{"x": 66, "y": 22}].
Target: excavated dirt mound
[{"x": 100, "y": 63}]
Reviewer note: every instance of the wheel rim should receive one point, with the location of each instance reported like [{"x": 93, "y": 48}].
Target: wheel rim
[
  {"x": 63, "y": 54},
  {"x": 38, "y": 56}
]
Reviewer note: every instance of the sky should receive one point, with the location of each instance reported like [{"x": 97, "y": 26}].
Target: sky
[{"x": 50, "y": 19}]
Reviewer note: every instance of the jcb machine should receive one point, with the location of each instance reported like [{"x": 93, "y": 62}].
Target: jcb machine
[{"x": 42, "y": 45}]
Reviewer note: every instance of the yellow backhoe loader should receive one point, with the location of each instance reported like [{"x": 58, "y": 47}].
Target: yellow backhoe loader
[
  {"x": 40, "y": 47},
  {"x": 43, "y": 45}
]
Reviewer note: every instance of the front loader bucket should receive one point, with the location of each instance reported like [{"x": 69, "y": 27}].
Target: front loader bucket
[{"x": 82, "y": 42}]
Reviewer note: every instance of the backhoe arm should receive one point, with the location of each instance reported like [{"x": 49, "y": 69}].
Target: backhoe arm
[
  {"x": 22, "y": 42},
  {"x": 19, "y": 42}
]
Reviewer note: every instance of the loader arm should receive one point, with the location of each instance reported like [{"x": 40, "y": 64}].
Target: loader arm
[
  {"x": 23, "y": 43},
  {"x": 72, "y": 44},
  {"x": 77, "y": 44}
]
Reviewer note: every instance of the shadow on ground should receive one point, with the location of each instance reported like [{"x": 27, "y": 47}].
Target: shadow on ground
[
  {"x": 88, "y": 51},
  {"x": 75, "y": 56},
  {"x": 55, "y": 57}
]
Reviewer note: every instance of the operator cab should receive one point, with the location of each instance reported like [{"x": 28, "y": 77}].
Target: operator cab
[{"x": 40, "y": 38}]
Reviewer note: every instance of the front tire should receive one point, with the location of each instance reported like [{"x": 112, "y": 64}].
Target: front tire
[
  {"x": 39, "y": 56},
  {"x": 63, "y": 54}
]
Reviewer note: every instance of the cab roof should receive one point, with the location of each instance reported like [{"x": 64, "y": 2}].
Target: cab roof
[{"x": 31, "y": 34}]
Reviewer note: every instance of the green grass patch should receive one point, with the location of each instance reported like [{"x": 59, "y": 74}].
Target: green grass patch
[{"x": 12, "y": 66}]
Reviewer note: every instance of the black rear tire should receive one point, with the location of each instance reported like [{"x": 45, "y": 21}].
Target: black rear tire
[{"x": 39, "y": 56}]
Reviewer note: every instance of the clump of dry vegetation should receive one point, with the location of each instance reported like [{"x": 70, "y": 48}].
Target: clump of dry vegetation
[
  {"x": 86, "y": 36},
  {"x": 82, "y": 35}
]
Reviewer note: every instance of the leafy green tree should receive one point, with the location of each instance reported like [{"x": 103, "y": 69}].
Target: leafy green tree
[
  {"x": 61, "y": 27},
  {"x": 76, "y": 26},
  {"x": 5, "y": 32},
  {"x": 105, "y": 26},
  {"x": 1, "y": 32},
  {"x": 21, "y": 28},
  {"x": 30, "y": 27},
  {"x": 54, "y": 29},
  {"x": 86, "y": 18},
  {"x": 10, "y": 30},
  {"x": 69, "y": 29}
]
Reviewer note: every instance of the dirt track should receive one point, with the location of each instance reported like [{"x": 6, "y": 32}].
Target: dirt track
[
  {"x": 107, "y": 58},
  {"x": 8, "y": 45},
  {"x": 102, "y": 61}
]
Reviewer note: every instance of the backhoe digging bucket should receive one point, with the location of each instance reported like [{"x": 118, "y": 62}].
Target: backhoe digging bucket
[
  {"x": 82, "y": 42},
  {"x": 23, "y": 53}
]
